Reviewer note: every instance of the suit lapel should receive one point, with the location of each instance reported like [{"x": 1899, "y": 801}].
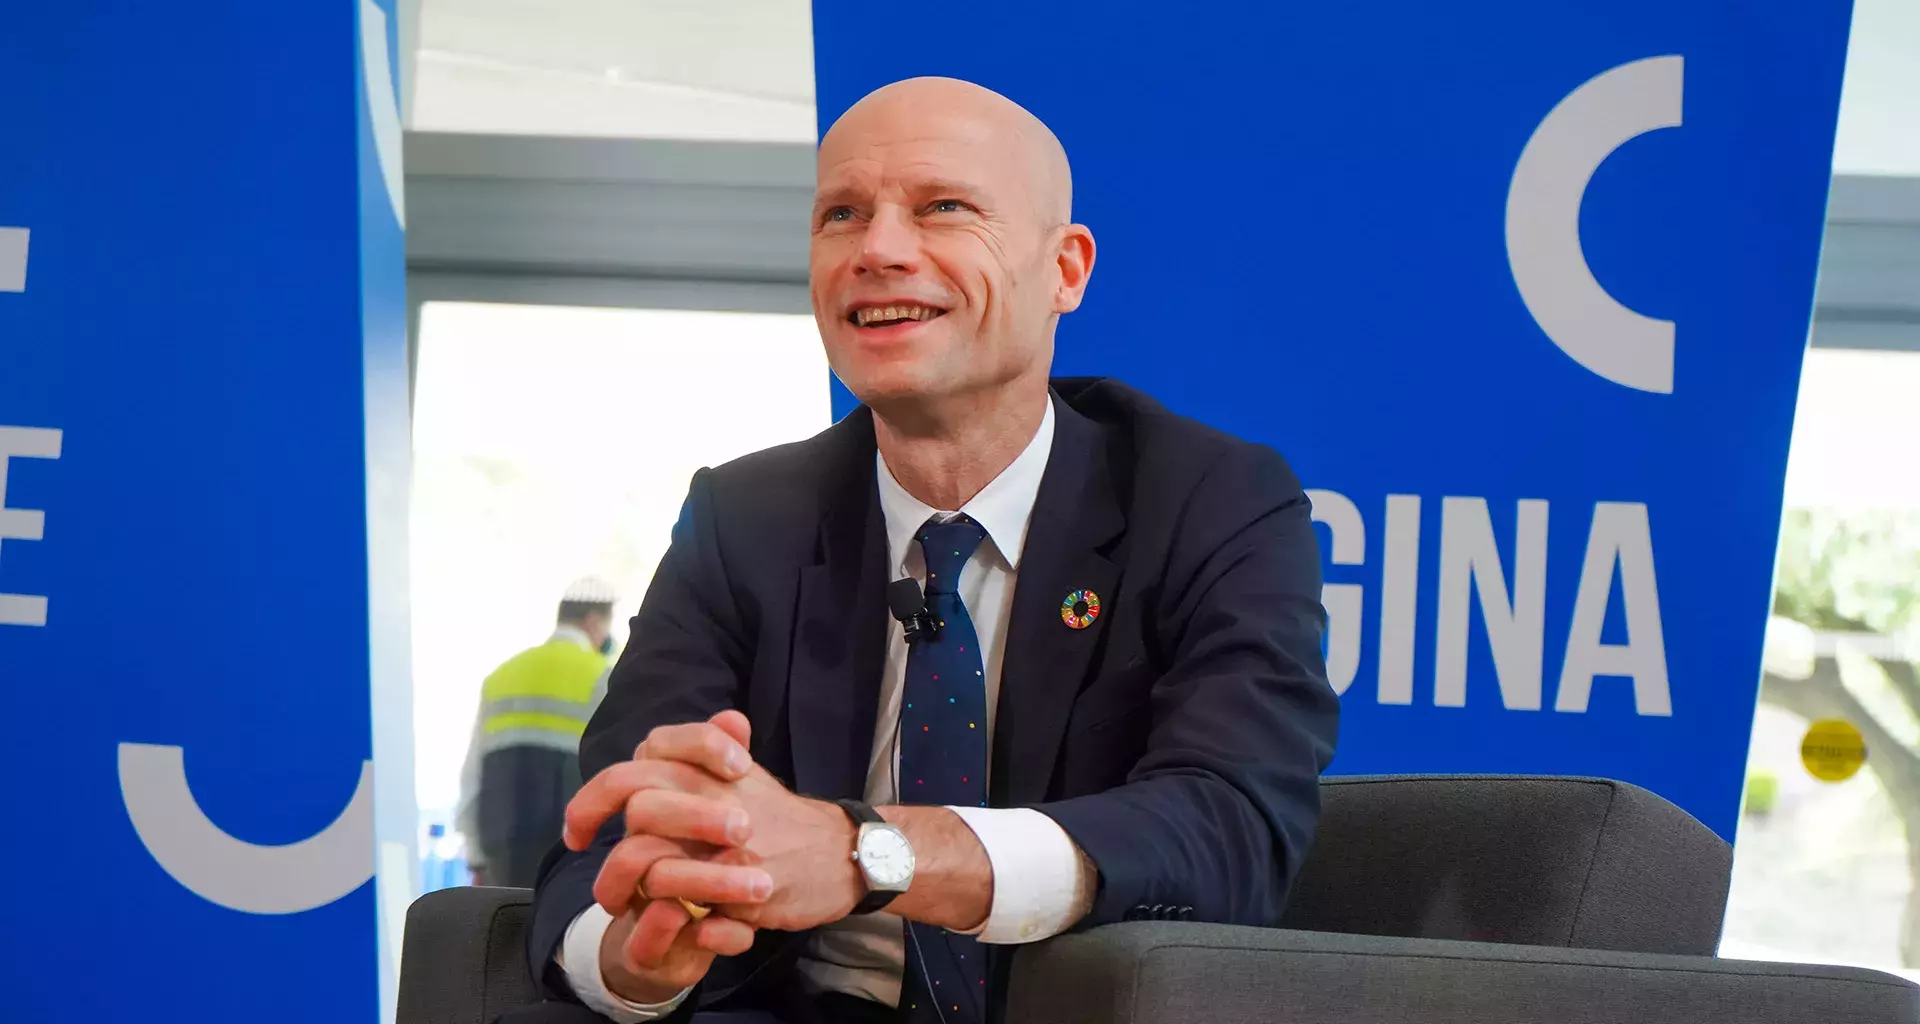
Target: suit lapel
[
  {"x": 1045, "y": 663},
  {"x": 840, "y": 622}
]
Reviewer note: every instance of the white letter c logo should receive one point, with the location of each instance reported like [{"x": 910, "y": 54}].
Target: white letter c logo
[
  {"x": 231, "y": 872},
  {"x": 1543, "y": 222}
]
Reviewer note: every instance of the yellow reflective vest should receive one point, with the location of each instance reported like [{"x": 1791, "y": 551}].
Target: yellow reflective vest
[{"x": 542, "y": 696}]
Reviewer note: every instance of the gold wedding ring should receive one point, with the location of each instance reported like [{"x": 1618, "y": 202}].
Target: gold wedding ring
[{"x": 696, "y": 910}]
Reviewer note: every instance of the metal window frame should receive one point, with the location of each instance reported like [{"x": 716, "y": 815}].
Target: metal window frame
[
  {"x": 1869, "y": 292},
  {"x": 646, "y": 223}
]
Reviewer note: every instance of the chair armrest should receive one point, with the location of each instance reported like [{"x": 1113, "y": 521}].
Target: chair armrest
[
  {"x": 1162, "y": 971},
  {"x": 464, "y": 958}
]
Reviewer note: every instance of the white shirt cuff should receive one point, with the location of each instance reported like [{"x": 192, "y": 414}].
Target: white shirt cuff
[
  {"x": 1042, "y": 882},
  {"x": 579, "y": 956}
]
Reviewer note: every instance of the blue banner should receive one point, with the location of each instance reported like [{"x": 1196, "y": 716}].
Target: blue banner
[
  {"x": 202, "y": 351},
  {"x": 1520, "y": 289}
]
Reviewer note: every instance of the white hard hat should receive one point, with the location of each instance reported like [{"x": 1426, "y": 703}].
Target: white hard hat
[{"x": 590, "y": 590}]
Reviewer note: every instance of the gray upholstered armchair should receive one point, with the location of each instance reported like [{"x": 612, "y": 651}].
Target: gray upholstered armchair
[{"x": 1427, "y": 900}]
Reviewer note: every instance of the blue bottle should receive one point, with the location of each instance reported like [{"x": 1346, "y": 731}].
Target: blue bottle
[{"x": 443, "y": 861}]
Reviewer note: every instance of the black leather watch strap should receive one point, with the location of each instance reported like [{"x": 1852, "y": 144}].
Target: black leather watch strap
[{"x": 864, "y": 814}]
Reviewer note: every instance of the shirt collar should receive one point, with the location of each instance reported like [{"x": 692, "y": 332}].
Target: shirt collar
[
  {"x": 1002, "y": 508},
  {"x": 571, "y": 634}
]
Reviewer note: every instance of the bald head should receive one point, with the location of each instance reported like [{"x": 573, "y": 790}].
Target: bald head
[
  {"x": 943, "y": 252},
  {"x": 918, "y": 107}
]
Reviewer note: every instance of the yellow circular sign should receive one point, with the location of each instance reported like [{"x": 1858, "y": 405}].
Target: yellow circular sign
[{"x": 1833, "y": 750}]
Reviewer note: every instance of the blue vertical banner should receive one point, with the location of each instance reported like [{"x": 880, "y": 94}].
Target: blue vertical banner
[
  {"x": 1520, "y": 289},
  {"x": 202, "y": 509}
]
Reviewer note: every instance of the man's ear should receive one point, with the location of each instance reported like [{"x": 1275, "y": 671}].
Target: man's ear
[{"x": 1073, "y": 255}]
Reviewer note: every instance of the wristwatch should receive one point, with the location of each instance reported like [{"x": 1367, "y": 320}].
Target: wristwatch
[{"x": 883, "y": 853}]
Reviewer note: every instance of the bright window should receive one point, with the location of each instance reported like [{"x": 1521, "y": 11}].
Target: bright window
[
  {"x": 552, "y": 443},
  {"x": 1822, "y": 869}
]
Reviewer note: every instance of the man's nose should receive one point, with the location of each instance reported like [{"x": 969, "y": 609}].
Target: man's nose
[{"x": 891, "y": 245}]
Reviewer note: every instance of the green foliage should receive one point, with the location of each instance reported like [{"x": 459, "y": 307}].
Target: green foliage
[{"x": 1850, "y": 570}]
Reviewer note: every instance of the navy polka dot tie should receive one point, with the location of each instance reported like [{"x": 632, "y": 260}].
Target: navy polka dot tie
[{"x": 943, "y": 762}]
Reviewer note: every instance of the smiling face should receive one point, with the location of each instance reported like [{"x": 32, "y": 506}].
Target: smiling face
[{"x": 941, "y": 256}]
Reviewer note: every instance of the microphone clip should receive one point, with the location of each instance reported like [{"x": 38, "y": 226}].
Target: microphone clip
[
  {"x": 921, "y": 627},
  {"x": 909, "y": 606}
]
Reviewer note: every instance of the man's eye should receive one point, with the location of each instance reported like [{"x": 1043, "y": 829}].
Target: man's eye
[
  {"x": 947, "y": 206},
  {"x": 839, "y": 214}
]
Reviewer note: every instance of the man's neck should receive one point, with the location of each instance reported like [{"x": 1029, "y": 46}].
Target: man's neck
[{"x": 944, "y": 460}]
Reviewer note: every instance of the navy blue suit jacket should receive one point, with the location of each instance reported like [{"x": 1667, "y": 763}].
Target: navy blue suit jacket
[{"x": 1178, "y": 739}]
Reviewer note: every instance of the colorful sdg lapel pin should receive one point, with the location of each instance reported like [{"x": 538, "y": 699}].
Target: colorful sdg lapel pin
[{"x": 1080, "y": 609}]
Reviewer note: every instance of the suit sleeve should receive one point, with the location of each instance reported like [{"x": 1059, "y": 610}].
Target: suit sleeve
[
  {"x": 1216, "y": 817},
  {"x": 684, "y": 661}
]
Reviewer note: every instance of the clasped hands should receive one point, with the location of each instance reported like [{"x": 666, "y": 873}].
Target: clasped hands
[{"x": 706, "y": 825}]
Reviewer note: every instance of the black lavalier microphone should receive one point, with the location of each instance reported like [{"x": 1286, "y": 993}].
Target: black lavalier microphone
[{"x": 908, "y": 605}]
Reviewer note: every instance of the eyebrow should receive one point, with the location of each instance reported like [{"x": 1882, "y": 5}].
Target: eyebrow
[
  {"x": 847, "y": 195},
  {"x": 942, "y": 186},
  {"x": 838, "y": 195}
]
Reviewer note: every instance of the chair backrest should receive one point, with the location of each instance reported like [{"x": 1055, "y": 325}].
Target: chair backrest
[
  {"x": 1576, "y": 863},
  {"x": 464, "y": 959},
  {"x": 1580, "y": 863}
]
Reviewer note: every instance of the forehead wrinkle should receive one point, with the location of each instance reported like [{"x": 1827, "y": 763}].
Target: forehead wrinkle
[{"x": 945, "y": 111}]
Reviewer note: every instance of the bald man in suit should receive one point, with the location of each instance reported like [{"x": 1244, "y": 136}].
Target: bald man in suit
[{"x": 1108, "y": 701}]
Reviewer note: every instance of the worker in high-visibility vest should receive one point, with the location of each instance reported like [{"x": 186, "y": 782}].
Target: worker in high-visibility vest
[{"x": 523, "y": 763}]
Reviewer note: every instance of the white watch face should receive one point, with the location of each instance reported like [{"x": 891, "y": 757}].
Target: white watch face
[{"x": 886, "y": 858}]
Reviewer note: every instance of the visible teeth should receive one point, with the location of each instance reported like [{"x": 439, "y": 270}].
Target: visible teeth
[{"x": 879, "y": 314}]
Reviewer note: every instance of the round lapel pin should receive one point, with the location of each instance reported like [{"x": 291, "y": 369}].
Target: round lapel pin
[{"x": 1080, "y": 609}]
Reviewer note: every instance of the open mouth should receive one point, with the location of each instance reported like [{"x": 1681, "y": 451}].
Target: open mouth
[{"x": 895, "y": 315}]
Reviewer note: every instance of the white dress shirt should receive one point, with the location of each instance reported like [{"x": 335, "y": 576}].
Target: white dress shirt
[{"x": 1042, "y": 882}]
